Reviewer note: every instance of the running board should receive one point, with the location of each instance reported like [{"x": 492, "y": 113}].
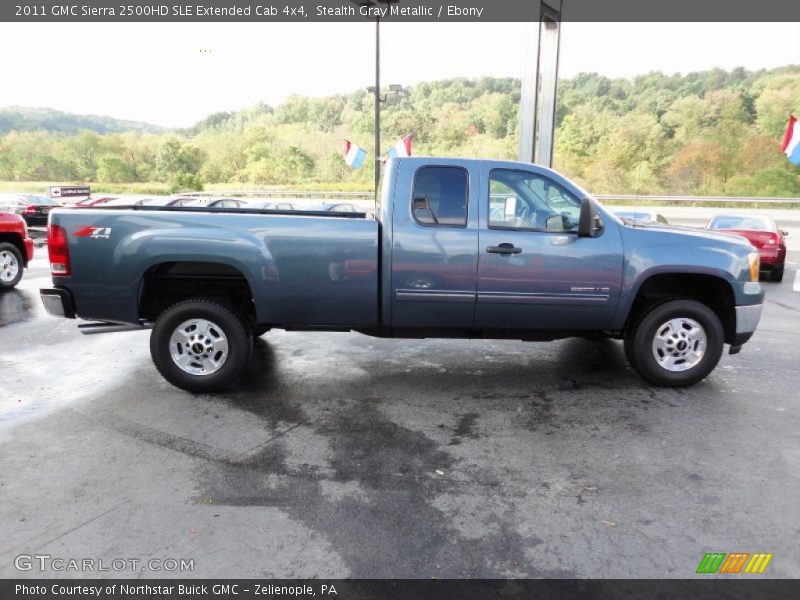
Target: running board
[{"x": 105, "y": 327}]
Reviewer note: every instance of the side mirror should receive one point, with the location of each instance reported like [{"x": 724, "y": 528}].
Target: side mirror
[
  {"x": 784, "y": 233},
  {"x": 589, "y": 224}
]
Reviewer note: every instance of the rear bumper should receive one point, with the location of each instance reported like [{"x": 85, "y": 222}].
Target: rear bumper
[
  {"x": 58, "y": 302},
  {"x": 747, "y": 318},
  {"x": 772, "y": 257}
]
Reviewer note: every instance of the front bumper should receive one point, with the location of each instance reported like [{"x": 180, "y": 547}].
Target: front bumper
[
  {"x": 58, "y": 302},
  {"x": 28, "y": 250},
  {"x": 747, "y": 318}
]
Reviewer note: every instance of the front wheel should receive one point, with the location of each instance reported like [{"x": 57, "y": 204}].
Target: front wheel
[
  {"x": 200, "y": 345},
  {"x": 675, "y": 343},
  {"x": 10, "y": 266}
]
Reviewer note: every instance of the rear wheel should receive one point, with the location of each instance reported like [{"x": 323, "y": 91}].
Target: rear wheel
[
  {"x": 200, "y": 345},
  {"x": 777, "y": 274},
  {"x": 10, "y": 266},
  {"x": 675, "y": 343}
]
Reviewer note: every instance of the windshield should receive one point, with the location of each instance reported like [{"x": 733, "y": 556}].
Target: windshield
[{"x": 742, "y": 223}]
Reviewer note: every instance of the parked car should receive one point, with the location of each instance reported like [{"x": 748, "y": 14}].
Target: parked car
[
  {"x": 33, "y": 208},
  {"x": 218, "y": 203},
  {"x": 272, "y": 205},
  {"x": 430, "y": 265},
  {"x": 642, "y": 217},
  {"x": 16, "y": 249},
  {"x": 341, "y": 207},
  {"x": 176, "y": 201},
  {"x": 762, "y": 232}
]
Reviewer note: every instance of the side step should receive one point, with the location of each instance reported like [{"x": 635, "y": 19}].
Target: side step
[{"x": 106, "y": 327}]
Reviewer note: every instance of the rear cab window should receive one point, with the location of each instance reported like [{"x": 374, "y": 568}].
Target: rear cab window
[{"x": 440, "y": 196}]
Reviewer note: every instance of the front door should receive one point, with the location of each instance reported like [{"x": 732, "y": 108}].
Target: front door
[{"x": 534, "y": 272}]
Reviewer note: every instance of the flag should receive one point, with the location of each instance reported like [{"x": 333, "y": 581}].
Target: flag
[
  {"x": 354, "y": 155},
  {"x": 791, "y": 141},
  {"x": 401, "y": 148}
]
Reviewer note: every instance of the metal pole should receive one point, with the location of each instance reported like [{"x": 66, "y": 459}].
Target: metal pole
[{"x": 377, "y": 103}]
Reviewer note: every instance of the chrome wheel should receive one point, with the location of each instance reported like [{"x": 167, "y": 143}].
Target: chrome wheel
[
  {"x": 198, "y": 347},
  {"x": 9, "y": 267},
  {"x": 679, "y": 344}
]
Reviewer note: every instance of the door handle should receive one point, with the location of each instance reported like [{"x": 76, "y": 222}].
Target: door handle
[{"x": 504, "y": 249}]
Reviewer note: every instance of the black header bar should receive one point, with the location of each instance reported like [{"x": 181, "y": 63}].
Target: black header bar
[{"x": 397, "y": 10}]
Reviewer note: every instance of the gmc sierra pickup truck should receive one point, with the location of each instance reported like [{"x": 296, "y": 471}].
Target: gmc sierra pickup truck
[{"x": 458, "y": 248}]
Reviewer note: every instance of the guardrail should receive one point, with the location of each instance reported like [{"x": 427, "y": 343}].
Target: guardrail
[
  {"x": 319, "y": 195},
  {"x": 368, "y": 196},
  {"x": 698, "y": 199}
]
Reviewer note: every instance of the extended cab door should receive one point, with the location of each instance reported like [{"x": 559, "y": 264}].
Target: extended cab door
[
  {"x": 434, "y": 245},
  {"x": 534, "y": 272}
]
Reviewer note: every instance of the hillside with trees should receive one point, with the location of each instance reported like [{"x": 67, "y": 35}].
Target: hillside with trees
[
  {"x": 709, "y": 133},
  {"x": 19, "y": 118}
]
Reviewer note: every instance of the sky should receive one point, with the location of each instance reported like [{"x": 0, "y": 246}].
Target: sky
[{"x": 174, "y": 74}]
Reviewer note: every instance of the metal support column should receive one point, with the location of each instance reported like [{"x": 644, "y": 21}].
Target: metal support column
[{"x": 540, "y": 88}]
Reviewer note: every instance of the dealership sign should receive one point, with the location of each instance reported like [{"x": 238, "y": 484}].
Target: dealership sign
[{"x": 69, "y": 191}]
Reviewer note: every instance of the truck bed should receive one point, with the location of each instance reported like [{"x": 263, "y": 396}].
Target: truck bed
[{"x": 293, "y": 262}]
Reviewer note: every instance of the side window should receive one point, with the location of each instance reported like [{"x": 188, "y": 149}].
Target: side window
[
  {"x": 440, "y": 196},
  {"x": 531, "y": 202}
]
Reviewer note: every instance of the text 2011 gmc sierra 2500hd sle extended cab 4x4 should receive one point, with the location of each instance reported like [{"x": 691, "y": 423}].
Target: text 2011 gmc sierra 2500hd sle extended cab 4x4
[{"x": 459, "y": 248}]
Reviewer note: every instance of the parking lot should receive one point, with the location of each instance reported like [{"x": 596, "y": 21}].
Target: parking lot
[{"x": 339, "y": 455}]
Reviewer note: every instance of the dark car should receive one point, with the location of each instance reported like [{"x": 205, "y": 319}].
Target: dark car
[
  {"x": 34, "y": 209},
  {"x": 641, "y": 217},
  {"x": 762, "y": 232}
]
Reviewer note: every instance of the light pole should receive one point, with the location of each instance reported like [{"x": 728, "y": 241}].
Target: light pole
[{"x": 377, "y": 88}]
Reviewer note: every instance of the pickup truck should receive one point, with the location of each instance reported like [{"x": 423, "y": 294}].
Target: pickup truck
[
  {"x": 458, "y": 248},
  {"x": 16, "y": 250}
]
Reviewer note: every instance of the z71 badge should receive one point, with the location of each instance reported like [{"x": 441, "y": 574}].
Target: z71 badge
[{"x": 99, "y": 233}]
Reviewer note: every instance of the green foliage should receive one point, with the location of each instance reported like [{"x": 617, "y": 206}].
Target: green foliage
[{"x": 715, "y": 132}]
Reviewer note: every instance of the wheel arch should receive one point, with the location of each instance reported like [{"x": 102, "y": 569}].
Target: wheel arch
[
  {"x": 15, "y": 240},
  {"x": 165, "y": 283},
  {"x": 710, "y": 289}
]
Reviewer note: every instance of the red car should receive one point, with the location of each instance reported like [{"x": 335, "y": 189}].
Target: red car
[
  {"x": 761, "y": 232},
  {"x": 16, "y": 249}
]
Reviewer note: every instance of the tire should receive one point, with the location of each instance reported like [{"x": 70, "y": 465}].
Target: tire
[
  {"x": 685, "y": 335},
  {"x": 776, "y": 274},
  {"x": 212, "y": 341},
  {"x": 11, "y": 266}
]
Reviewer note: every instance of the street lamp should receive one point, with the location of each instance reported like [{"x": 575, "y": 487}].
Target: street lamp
[{"x": 376, "y": 89}]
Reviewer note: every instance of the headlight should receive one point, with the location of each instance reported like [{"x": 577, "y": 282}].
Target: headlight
[{"x": 755, "y": 262}]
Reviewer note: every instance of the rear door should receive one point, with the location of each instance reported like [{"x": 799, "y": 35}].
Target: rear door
[
  {"x": 434, "y": 246},
  {"x": 534, "y": 271}
]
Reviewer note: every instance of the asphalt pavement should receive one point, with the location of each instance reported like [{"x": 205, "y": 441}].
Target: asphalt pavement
[{"x": 339, "y": 455}]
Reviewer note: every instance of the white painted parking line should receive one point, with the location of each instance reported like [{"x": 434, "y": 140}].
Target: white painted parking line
[{"x": 796, "y": 286}]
